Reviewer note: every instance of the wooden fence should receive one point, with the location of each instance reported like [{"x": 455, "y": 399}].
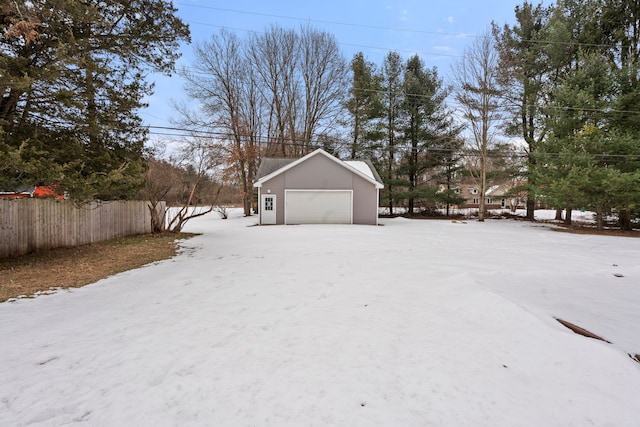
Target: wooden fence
[{"x": 30, "y": 225}]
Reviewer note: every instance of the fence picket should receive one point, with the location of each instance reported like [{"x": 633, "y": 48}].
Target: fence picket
[{"x": 30, "y": 225}]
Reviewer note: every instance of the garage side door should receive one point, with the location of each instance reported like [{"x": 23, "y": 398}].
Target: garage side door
[{"x": 318, "y": 207}]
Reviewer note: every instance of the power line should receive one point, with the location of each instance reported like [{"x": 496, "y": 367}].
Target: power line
[
  {"x": 394, "y": 29},
  {"x": 224, "y": 27},
  {"x": 320, "y": 21},
  {"x": 504, "y": 108},
  {"x": 263, "y": 140}
]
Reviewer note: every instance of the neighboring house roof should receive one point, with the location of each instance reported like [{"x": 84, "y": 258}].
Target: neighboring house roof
[
  {"x": 493, "y": 191},
  {"x": 503, "y": 188},
  {"x": 271, "y": 167}
]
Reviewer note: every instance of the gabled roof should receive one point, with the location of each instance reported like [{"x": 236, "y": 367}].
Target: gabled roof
[{"x": 271, "y": 167}]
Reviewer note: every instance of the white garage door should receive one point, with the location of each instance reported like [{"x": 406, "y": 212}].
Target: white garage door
[{"x": 318, "y": 207}]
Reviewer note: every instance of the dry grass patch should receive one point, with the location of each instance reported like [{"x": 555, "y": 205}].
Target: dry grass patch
[
  {"x": 82, "y": 265},
  {"x": 580, "y": 229}
]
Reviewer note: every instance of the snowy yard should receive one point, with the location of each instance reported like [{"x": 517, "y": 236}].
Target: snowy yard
[{"x": 415, "y": 323}]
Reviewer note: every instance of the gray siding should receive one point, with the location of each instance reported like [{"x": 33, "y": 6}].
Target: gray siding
[
  {"x": 365, "y": 202},
  {"x": 276, "y": 186},
  {"x": 318, "y": 173}
]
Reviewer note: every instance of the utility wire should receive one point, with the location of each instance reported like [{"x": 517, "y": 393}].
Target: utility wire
[
  {"x": 262, "y": 140},
  {"x": 395, "y": 29},
  {"x": 504, "y": 107},
  {"x": 432, "y": 54},
  {"x": 320, "y": 21}
]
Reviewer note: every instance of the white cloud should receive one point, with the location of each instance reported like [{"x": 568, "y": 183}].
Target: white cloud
[{"x": 450, "y": 20}]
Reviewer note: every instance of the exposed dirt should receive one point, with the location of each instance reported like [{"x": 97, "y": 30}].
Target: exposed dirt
[
  {"x": 82, "y": 265},
  {"x": 582, "y": 229},
  {"x": 581, "y": 331}
]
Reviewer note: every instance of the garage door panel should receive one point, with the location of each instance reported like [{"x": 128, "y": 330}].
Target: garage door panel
[{"x": 318, "y": 207}]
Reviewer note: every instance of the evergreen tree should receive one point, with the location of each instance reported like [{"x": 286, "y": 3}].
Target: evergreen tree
[
  {"x": 427, "y": 129},
  {"x": 74, "y": 77},
  {"x": 591, "y": 157},
  {"x": 390, "y": 124},
  {"x": 448, "y": 175},
  {"x": 526, "y": 70},
  {"x": 364, "y": 107}
]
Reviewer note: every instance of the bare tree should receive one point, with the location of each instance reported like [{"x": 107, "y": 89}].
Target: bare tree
[
  {"x": 279, "y": 86},
  {"x": 324, "y": 74},
  {"x": 202, "y": 158},
  {"x": 477, "y": 92},
  {"x": 161, "y": 179},
  {"x": 223, "y": 82},
  {"x": 185, "y": 180},
  {"x": 274, "y": 59},
  {"x": 303, "y": 80}
]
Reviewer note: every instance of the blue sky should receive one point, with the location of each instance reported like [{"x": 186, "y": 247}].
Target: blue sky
[{"x": 439, "y": 31}]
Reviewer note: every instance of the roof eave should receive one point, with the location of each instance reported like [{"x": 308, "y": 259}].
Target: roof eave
[{"x": 259, "y": 182}]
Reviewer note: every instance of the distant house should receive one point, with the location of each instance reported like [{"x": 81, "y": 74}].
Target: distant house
[
  {"x": 505, "y": 196},
  {"x": 38, "y": 191},
  {"x": 497, "y": 196},
  {"x": 317, "y": 189}
]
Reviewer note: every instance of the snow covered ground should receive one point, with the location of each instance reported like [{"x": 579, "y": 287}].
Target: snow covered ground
[{"x": 414, "y": 323}]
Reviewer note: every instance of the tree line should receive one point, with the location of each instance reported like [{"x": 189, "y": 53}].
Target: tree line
[
  {"x": 562, "y": 80},
  {"x": 569, "y": 74}
]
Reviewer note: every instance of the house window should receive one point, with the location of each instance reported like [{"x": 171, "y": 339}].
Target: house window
[
  {"x": 456, "y": 190},
  {"x": 474, "y": 191},
  {"x": 488, "y": 200},
  {"x": 502, "y": 203},
  {"x": 476, "y": 201},
  {"x": 268, "y": 203}
]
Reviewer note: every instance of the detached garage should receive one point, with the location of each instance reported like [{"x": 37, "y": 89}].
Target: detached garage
[{"x": 318, "y": 189}]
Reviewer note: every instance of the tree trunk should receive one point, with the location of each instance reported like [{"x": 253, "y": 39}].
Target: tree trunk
[
  {"x": 247, "y": 196},
  {"x": 567, "y": 216},
  {"x": 390, "y": 185},
  {"x": 8, "y": 105},
  {"x": 413, "y": 177},
  {"x": 531, "y": 207},
  {"x": 624, "y": 219},
  {"x": 157, "y": 217},
  {"x": 599, "y": 219},
  {"x": 354, "y": 146},
  {"x": 531, "y": 198},
  {"x": 483, "y": 184},
  {"x": 558, "y": 214}
]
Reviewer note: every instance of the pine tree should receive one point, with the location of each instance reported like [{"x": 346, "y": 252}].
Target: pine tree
[
  {"x": 390, "y": 124},
  {"x": 76, "y": 81},
  {"x": 428, "y": 129},
  {"x": 591, "y": 157},
  {"x": 525, "y": 68},
  {"x": 364, "y": 107}
]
